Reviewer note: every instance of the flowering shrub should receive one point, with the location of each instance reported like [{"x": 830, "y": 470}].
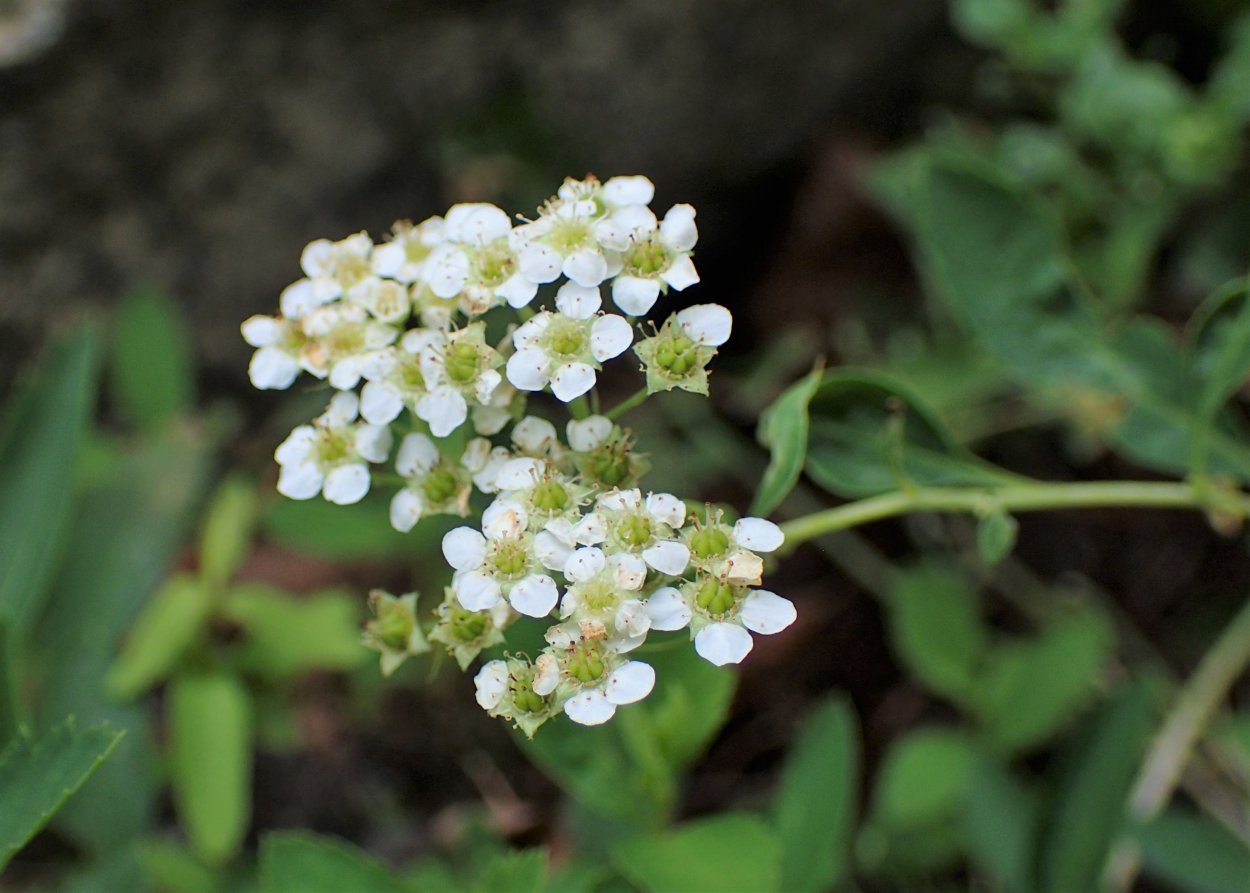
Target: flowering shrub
[{"x": 432, "y": 342}]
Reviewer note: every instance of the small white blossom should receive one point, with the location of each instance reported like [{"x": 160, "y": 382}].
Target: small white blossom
[
  {"x": 498, "y": 562},
  {"x": 331, "y": 455},
  {"x": 644, "y": 527},
  {"x": 403, "y": 258},
  {"x": 653, "y": 257},
  {"x": 432, "y": 484},
  {"x": 719, "y": 614}
]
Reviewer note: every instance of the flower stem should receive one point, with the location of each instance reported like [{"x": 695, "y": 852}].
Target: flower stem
[
  {"x": 579, "y": 408},
  {"x": 1015, "y": 497},
  {"x": 635, "y": 399}
]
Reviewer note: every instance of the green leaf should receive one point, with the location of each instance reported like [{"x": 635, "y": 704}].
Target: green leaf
[
  {"x": 285, "y": 634},
  {"x": 936, "y": 629},
  {"x": 729, "y": 853},
  {"x": 1029, "y": 689},
  {"x": 127, "y": 529},
  {"x": 996, "y": 536},
  {"x": 1193, "y": 853},
  {"x": 299, "y": 862},
  {"x": 171, "y": 866},
  {"x": 1002, "y": 825},
  {"x": 43, "y": 433},
  {"x": 783, "y": 429},
  {"x": 517, "y": 872},
  {"x": 689, "y": 704},
  {"x": 924, "y": 779},
  {"x": 38, "y": 775},
  {"x": 166, "y": 627},
  {"x": 152, "y": 375},
  {"x": 10, "y": 710},
  {"x": 1089, "y": 810},
  {"x": 338, "y": 532},
  {"x": 227, "y": 531},
  {"x": 1220, "y": 339},
  {"x": 814, "y": 809},
  {"x": 869, "y": 434},
  {"x": 210, "y": 757}
]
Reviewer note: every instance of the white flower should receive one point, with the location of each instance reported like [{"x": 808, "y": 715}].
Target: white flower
[
  {"x": 565, "y": 349},
  {"x": 335, "y": 268},
  {"x": 509, "y": 688},
  {"x": 499, "y": 562},
  {"x": 604, "y": 599},
  {"x": 677, "y": 355},
  {"x": 732, "y": 553},
  {"x": 432, "y": 484},
  {"x": 341, "y": 339},
  {"x": 385, "y": 299},
  {"x": 276, "y": 364},
  {"x": 653, "y": 258},
  {"x": 645, "y": 528},
  {"x": 719, "y": 614},
  {"x": 456, "y": 367},
  {"x": 589, "y": 678},
  {"x": 403, "y": 258},
  {"x": 331, "y": 455},
  {"x": 478, "y": 261},
  {"x": 562, "y": 239}
]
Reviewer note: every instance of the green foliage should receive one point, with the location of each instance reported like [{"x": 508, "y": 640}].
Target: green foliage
[
  {"x": 151, "y": 369},
  {"x": 729, "y": 853},
  {"x": 996, "y": 536},
  {"x": 339, "y": 532},
  {"x": 783, "y": 429},
  {"x": 167, "y": 626},
  {"x": 37, "y": 775},
  {"x": 814, "y": 809},
  {"x": 1033, "y": 687},
  {"x": 1002, "y": 825},
  {"x": 924, "y": 779},
  {"x": 936, "y": 630},
  {"x": 43, "y": 432},
  {"x": 297, "y": 862},
  {"x": 210, "y": 755},
  {"x": 1193, "y": 853},
  {"x": 227, "y": 532},
  {"x": 518, "y": 872},
  {"x": 286, "y": 635}
]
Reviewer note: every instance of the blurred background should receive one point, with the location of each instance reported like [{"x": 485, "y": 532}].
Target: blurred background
[{"x": 163, "y": 164}]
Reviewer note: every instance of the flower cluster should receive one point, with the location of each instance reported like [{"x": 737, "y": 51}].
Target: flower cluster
[{"x": 432, "y": 342}]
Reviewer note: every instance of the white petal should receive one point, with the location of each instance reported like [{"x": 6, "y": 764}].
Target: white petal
[
  {"x": 680, "y": 274},
  {"x": 667, "y": 508},
  {"x": 678, "y": 230},
  {"x": 722, "y": 643},
  {"x": 342, "y": 409},
  {"x": 667, "y": 609},
  {"x": 589, "y": 708},
  {"x": 629, "y": 571},
  {"x": 477, "y": 223},
  {"x": 298, "y": 444},
  {"x": 549, "y": 550},
  {"x": 534, "y": 596},
  {"x": 635, "y": 295},
  {"x": 530, "y": 332},
  {"x": 347, "y": 484},
  {"x": 591, "y": 529},
  {"x": 586, "y": 434},
  {"x": 528, "y": 369},
  {"x": 586, "y": 267},
  {"x": 272, "y": 369},
  {"x": 298, "y": 299},
  {"x": 632, "y": 620},
  {"x": 668, "y": 557},
  {"x": 464, "y": 548},
  {"x": 546, "y": 675},
  {"x": 317, "y": 258},
  {"x": 584, "y": 564},
  {"x": 373, "y": 442},
  {"x": 491, "y": 683},
  {"x": 444, "y": 408},
  {"x": 518, "y": 291},
  {"x": 610, "y": 336},
  {"x": 539, "y": 263},
  {"x": 741, "y": 567},
  {"x": 447, "y": 270},
  {"x": 519, "y": 474},
  {"x": 504, "y": 518},
  {"x": 262, "y": 331},
  {"x": 475, "y": 591},
  {"x": 766, "y": 613},
  {"x": 487, "y": 381},
  {"x": 417, "y": 455},
  {"x": 345, "y": 374},
  {"x": 388, "y": 258},
  {"x": 380, "y": 402},
  {"x": 571, "y": 380},
  {"x": 708, "y": 324},
  {"x": 577, "y": 301},
  {"x": 628, "y": 190},
  {"x": 622, "y": 500},
  {"x": 534, "y": 435},
  {"x": 758, "y": 534},
  {"x": 406, "y": 510},
  {"x": 300, "y": 481},
  {"x": 630, "y": 682}
]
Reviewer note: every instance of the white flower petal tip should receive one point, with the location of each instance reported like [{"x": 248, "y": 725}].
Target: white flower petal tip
[
  {"x": 589, "y": 708},
  {"x": 528, "y": 369},
  {"x": 766, "y": 612},
  {"x": 578, "y": 301},
  {"x": 708, "y": 324},
  {"x": 758, "y": 535},
  {"x": 723, "y": 643},
  {"x": 476, "y": 591},
  {"x": 464, "y": 548},
  {"x": 634, "y": 295},
  {"x": 610, "y": 336},
  {"x": 668, "y": 610},
  {"x": 586, "y": 434},
  {"x": 571, "y": 380},
  {"x": 668, "y": 557},
  {"x": 629, "y": 683},
  {"x": 491, "y": 683},
  {"x": 406, "y": 510},
  {"x": 584, "y": 564},
  {"x": 347, "y": 484},
  {"x": 534, "y": 596}
]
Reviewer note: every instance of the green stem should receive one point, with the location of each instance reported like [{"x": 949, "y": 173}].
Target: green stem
[
  {"x": 1021, "y": 497},
  {"x": 1196, "y": 704},
  {"x": 635, "y": 399}
]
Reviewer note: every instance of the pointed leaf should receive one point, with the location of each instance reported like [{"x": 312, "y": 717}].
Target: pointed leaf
[
  {"x": 516, "y": 872},
  {"x": 924, "y": 779},
  {"x": 151, "y": 372},
  {"x": 1002, "y": 824},
  {"x": 783, "y": 429},
  {"x": 1193, "y": 853},
  {"x": 227, "y": 531},
  {"x": 814, "y": 808},
  {"x": 285, "y": 634},
  {"x": 299, "y": 862},
  {"x": 166, "y": 627},
  {"x": 730, "y": 853},
  {"x": 936, "y": 628},
  {"x": 38, "y": 775}
]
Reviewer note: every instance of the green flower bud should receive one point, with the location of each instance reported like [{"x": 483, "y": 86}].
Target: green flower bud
[
  {"x": 708, "y": 542},
  {"x": 440, "y": 485},
  {"x": 715, "y": 596}
]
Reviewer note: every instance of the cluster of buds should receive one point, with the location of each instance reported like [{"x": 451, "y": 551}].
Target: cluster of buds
[{"x": 402, "y": 332}]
